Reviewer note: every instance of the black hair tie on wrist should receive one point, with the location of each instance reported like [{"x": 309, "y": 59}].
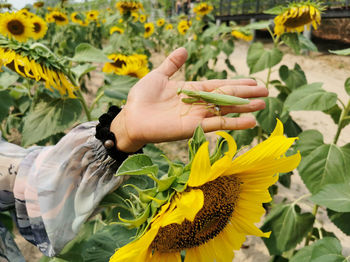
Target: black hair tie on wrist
[{"x": 108, "y": 138}]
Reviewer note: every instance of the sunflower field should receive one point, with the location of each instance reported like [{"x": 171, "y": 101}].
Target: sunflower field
[{"x": 201, "y": 208}]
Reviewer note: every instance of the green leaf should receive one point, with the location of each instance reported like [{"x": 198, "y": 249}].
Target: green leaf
[
  {"x": 85, "y": 52},
  {"x": 6, "y": 102},
  {"x": 347, "y": 85},
  {"x": 195, "y": 142},
  {"x": 227, "y": 47},
  {"x": 191, "y": 48},
  {"x": 291, "y": 128},
  {"x": 341, "y": 220},
  {"x": 138, "y": 164},
  {"x": 315, "y": 252},
  {"x": 102, "y": 245},
  {"x": 288, "y": 227},
  {"x": 306, "y": 43},
  {"x": 7, "y": 79},
  {"x": 341, "y": 52},
  {"x": 119, "y": 86},
  {"x": 229, "y": 65},
  {"x": 157, "y": 157},
  {"x": 310, "y": 97},
  {"x": 259, "y": 59},
  {"x": 267, "y": 117},
  {"x": 49, "y": 116},
  {"x": 81, "y": 70},
  {"x": 244, "y": 137},
  {"x": 258, "y": 25},
  {"x": 308, "y": 141},
  {"x": 293, "y": 78},
  {"x": 334, "y": 196},
  {"x": 324, "y": 164},
  {"x": 292, "y": 40}
]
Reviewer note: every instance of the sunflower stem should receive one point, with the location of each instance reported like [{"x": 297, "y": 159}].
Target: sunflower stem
[
  {"x": 268, "y": 78},
  {"x": 3, "y": 134},
  {"x": 343, "y": 117},
  {"x": 309, "y": 235},
  {"x": 95, "y": 101},
  {"x": 83, "y": 103}
]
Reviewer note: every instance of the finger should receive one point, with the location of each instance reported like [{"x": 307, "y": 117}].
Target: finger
[
  {"x": 253, "y": 106},
  {"x": 243, "y": 91},
  {"x": 173, "y": 62},
  {"x": 211, "y": 85},
  {"x": 226, "y": 123}
]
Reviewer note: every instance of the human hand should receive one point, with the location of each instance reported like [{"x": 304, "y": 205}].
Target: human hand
[{"x": 155, "y": 113}]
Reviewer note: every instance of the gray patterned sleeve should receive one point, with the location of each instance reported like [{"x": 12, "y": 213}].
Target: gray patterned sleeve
[{"x": 55, "y": 189}]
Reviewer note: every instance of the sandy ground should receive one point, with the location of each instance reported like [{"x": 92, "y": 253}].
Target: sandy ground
[{"x": 332, "y": 71}]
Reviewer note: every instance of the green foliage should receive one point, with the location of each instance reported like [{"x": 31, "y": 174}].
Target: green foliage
[
  {"x": 49, "y": 116},
  {"x": 87, "y": 53},
  {"x": 288, "y": 225},
  {"x": 259, "y": 59},
  {"x": 341, "y": 52},
  {"x": 6, "y": 102}
]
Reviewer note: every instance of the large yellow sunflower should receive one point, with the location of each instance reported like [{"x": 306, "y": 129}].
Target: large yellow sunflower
[
  {"x": 16, "y": 26},
  {"x": 183, "y": 26},
  {"x": 149, "y": 29},
  {"x": 57, "y": 17},
  {"x": 297, "y": 16},
  {"x": 203, "y": 9},
  {"x": 220, "y": 206},
  {"x": 40, "y": 27},
  {"x": 29, "y": 68}
]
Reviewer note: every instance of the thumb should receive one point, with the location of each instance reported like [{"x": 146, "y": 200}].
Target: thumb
[{"x": 173, "y": 62}]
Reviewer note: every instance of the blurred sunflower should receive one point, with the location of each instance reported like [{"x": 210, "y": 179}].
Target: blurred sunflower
[
  {"x": 76, "y": 17},
  {"x": 296, "y": 16},
  {"x": 92, "y": 15},
  {"x": 38, "y": 4},
  {"x": 24, "y": 12},
  {"x": 135, "y": 16},
  {"x": 57, "y": 17},
  {"x": 5, "y": 5},
  {"x": 116, "y": 29},
  {"x": 126, "y": 7},
  {"x": 242, "y": 35},
  {"x": 168, "y": 27},
  {"x": 143, "y": 18},
  {"x": 40, "y": 27},
  {"x": 183, "y": 26},
  {"x": 134, "y": 65},
  {"x": 149, "y": 29},
  {"x": 16, "y": 26},
  {"x": 120, "y": 60},
  {"x": 222, "y": 203},
  {"x": 29, "y": 68},
  {"x": 160, "y": 22},
  {"x": 202, "y": 9}
]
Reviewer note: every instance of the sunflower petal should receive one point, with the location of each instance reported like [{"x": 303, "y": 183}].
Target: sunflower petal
[{"x": 200, "y": 169}]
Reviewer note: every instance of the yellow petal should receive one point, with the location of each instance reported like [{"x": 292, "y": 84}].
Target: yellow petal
[
  {"x": 232, "y": 146},
  {"x": 278, "y": 131},
  {"x": 200, "y": 169},
  {"x": 202, "y": 253},
  {"x": 187, "y": 206},
  {"x": 169, "y": 257}
]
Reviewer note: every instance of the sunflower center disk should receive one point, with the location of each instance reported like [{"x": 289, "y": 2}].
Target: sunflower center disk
[
  {"x": 297, "y": 21},
  {"x": 37, "y": 27},
  {"x": 15, "y": 27},
  {"x": 59, "y": 18},
  {"x": 119, "y": 63},
  {"x": 220, "y": 198}
]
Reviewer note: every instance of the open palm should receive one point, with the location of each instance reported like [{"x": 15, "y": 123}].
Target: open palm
[{"x": 155, "y": 113}]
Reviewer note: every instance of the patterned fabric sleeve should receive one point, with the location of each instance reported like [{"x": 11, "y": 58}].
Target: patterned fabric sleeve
[{"x": 55, "y": 189}]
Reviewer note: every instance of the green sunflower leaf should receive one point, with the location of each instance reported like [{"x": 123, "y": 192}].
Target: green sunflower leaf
[
  {"x": 327, "y": 249},
  {"x": 6, "y": 102},
  {"x": 138, "y": 164},
  {"x": 293, "y": 78},
  {"x": 288, "y": 227},
  {"x": 334, "y": 196},
  {"x": 341, "y": 220},
  {"x": 85, "y": 52},
  {"x": 259, "y": 59},
  {"x": 49, "y": 116},
  {"x": 267, "y": 117},
  {"x": 322, "y": 164},
  {"x": 310, "y": 97},
  {"x": 292, "y": 40},
  {"x": 195, "y": 142}
]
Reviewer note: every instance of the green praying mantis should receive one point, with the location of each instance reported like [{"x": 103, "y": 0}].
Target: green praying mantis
[{"x": 211, "y": 99}]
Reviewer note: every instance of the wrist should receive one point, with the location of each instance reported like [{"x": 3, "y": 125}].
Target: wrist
[{"x": 125, "y": 142}]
